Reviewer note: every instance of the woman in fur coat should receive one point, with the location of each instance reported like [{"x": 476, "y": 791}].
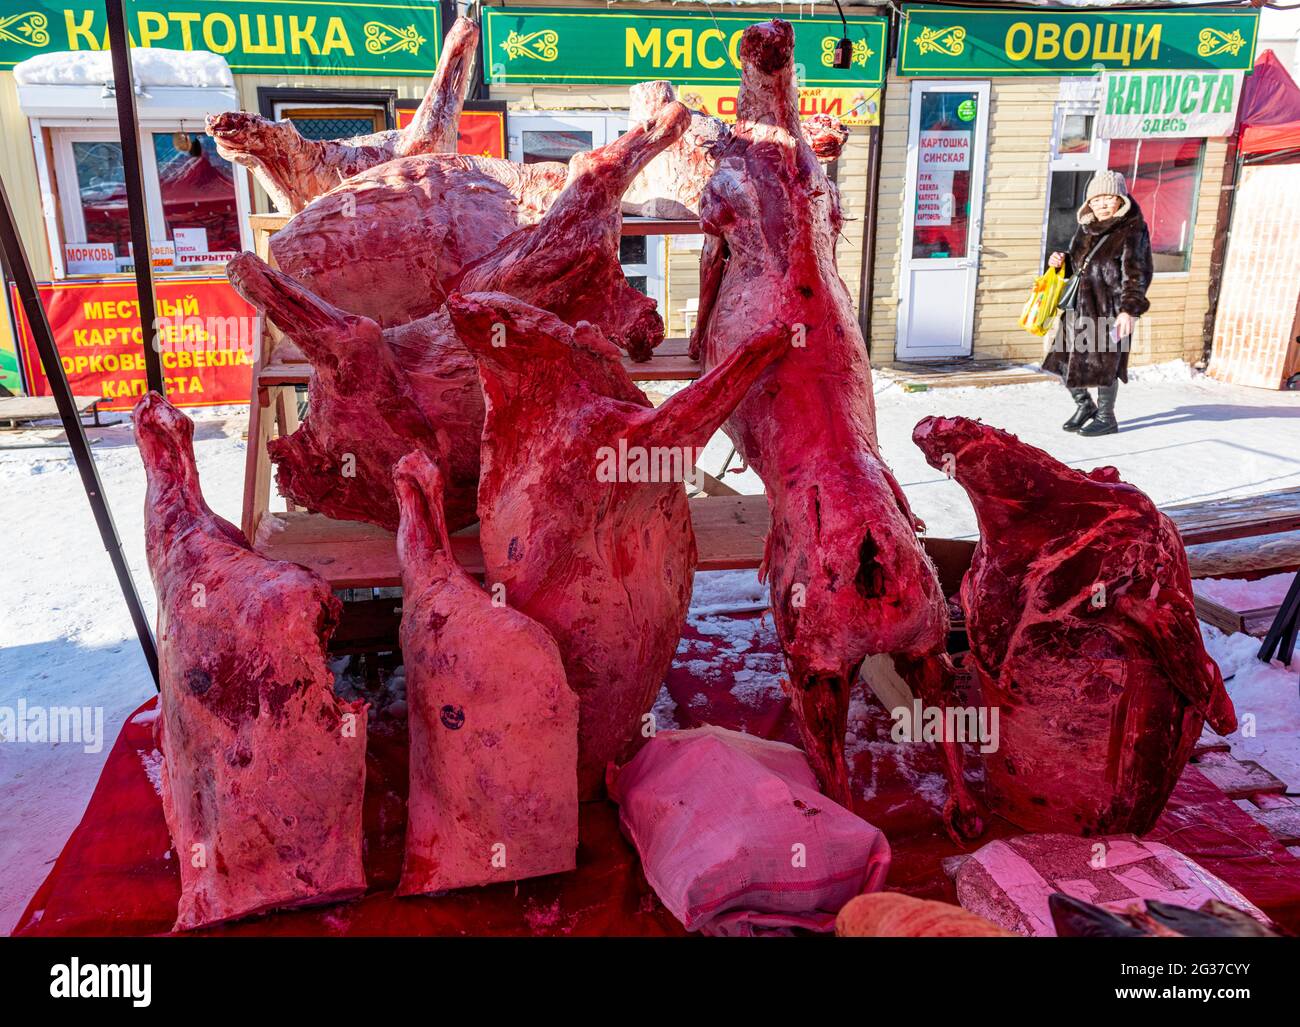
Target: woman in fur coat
[{"x": 1109, "y": 267}]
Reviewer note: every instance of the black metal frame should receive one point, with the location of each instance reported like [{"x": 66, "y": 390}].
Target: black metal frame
[
  {"x": 20, "y": 270},
  {"x": 128, "y": 127},
  {"x": 269, "y": 96},
  {"x": 1280, "y": 639}
]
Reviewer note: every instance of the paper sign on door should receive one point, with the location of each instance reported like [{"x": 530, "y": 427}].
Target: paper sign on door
[
  {"x": 944, "y": 150},
  {"x": 934, "y": 200}
]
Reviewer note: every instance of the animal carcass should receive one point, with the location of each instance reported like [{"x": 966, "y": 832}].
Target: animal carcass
[
  {"x": 1083, "y": 633},
  {"x": 598, "y": 552},
  {"x": 386, "y": 242},
  {"x": 494, "y": 725},
  {"x": 363, "y": 414},
  {"x": 294, "y": 170},
  {"x": 568, "y": 262},
  {"x": 263, "y": 768},
  {"x": 848, "y": 576}
]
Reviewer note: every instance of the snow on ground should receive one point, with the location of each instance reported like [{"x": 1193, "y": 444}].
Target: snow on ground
[{"x": 65, "y": 637}]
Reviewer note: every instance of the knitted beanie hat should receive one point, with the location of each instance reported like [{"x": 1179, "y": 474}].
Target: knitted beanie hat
[{"x": 1106, "y": 183}]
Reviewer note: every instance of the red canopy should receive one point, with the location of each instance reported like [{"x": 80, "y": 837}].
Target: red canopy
[{"x": 1270, "y": 108}]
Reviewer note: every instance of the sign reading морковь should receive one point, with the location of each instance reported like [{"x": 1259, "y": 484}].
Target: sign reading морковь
[
  {"x": 952, "y": 42},
  {"x": 255, "y": 36},
  {"x": 552, "y": 45}
]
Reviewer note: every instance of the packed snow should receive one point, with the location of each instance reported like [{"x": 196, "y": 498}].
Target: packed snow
[
  {"x": 150, "y": 66},
  {"x": 65, "y": 637}
]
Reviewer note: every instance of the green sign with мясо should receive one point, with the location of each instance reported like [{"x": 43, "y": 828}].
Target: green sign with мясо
[
  {"x": 956, "y": 42},
  {"x": 553, "y": 45},
  {"x": 254, "y": 36}
]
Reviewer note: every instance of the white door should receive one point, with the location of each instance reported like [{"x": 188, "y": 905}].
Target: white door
[
  {"x": 942, "y": 215},
  {"x": 558, "y": 136}
]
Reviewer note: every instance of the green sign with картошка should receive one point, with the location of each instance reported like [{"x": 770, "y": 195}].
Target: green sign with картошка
[
  {"x": 329, "y": 37},
  {"x": 956, "y": 42}
]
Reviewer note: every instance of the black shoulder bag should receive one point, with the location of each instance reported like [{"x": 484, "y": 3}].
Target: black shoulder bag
[{"x": 1070, "y": 294}]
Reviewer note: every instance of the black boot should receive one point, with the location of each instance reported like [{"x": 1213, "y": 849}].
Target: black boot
[
  {"x": 1104, "y": 422},
  {"x": 1086, "y": 408}
]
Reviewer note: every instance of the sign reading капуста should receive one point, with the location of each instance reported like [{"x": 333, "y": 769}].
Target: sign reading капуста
[
  {"x": 550, "y": 45},
  {"x": 329, "y": 37},
  {"x": 1151, "y": 104},
  {"x": 952, "y": 42}
]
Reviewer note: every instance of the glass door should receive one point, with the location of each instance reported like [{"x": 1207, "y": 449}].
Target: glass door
[{"x": 942, "y": 215}]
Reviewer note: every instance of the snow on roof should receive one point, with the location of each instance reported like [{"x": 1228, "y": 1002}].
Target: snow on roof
[{"x": 194, "y": 69}]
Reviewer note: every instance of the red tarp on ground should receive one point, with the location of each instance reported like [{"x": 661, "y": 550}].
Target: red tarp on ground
[
  {"x": 113, "y": 876},
  {"x": 1270, "y": 108}
]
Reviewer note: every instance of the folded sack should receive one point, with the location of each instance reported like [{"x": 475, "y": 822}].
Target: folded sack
[{"x": 735, "y": 837}]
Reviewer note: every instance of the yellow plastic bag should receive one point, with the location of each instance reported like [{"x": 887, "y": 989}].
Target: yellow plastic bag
[{"x": 1040, "y": 308}]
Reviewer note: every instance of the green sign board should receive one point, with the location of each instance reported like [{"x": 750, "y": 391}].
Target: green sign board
[
  {"x": 254, "y": 36},
  {"x": 545, "y": 45},
  {"x": 956, "y": 42}
]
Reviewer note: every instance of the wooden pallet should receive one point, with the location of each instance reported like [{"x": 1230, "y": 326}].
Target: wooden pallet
[{"x": 960, "y": 374}]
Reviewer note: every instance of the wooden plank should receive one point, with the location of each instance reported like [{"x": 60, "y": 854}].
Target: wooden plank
[
  {"x": 1239, "y": 779},
  {"x": 1220, "y": 616},
  {"x": 729, "y": 534},
  {"x": 659, "y": 226},
  {"x": 1283, "y": 822},
  {"x": 36, "y": 408},
  {"x": 670, "y": 363},
  {"x": 1237, "y": 516}
]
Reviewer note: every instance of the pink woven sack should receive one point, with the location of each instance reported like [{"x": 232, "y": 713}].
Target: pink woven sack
[{"x": 735, "y": 838}]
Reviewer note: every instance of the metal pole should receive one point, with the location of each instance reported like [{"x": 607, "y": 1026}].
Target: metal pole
[
  {"x": 128, "y": 127},
  {"x": 21, "y": 272}
]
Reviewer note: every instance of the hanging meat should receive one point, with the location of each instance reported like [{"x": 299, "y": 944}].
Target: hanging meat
[
  {"x": 263, "y": 768},
  {"x": 583, "y": 516},
  {"x": 493, "y": 723},
  {"x": 363, "y": 411},
  {"x": 385, "y": 242},
  {"x": 848, "y": 576},
  {"x": 1083, "y": 634},
  {"x": 568, "y": 262},
  {"x": 294, "y": 170},
  {"x": 377, "y": 395},
  {"x": 671, "y": 184}
]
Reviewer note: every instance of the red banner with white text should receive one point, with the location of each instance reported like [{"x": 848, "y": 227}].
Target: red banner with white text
[{"x": 206, "y": 330}]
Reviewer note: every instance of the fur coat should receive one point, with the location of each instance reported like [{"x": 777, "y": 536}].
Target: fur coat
[{"x": 1083, "y": 349}]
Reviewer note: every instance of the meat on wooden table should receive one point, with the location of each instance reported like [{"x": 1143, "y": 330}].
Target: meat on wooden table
[
  {"x": 493, "y": 722},
  {"x": 584, "y": 544},
  {"x": 295, "y": 170},
  {"x": 848, "y": 576},
  {"x": 1083, "y": 633},
  {"x": 568, "y": 262},
  {"x": 363, "y": 412},
  {"x": 263, "y": 768},
  {"x": 375, "y": 395}
]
